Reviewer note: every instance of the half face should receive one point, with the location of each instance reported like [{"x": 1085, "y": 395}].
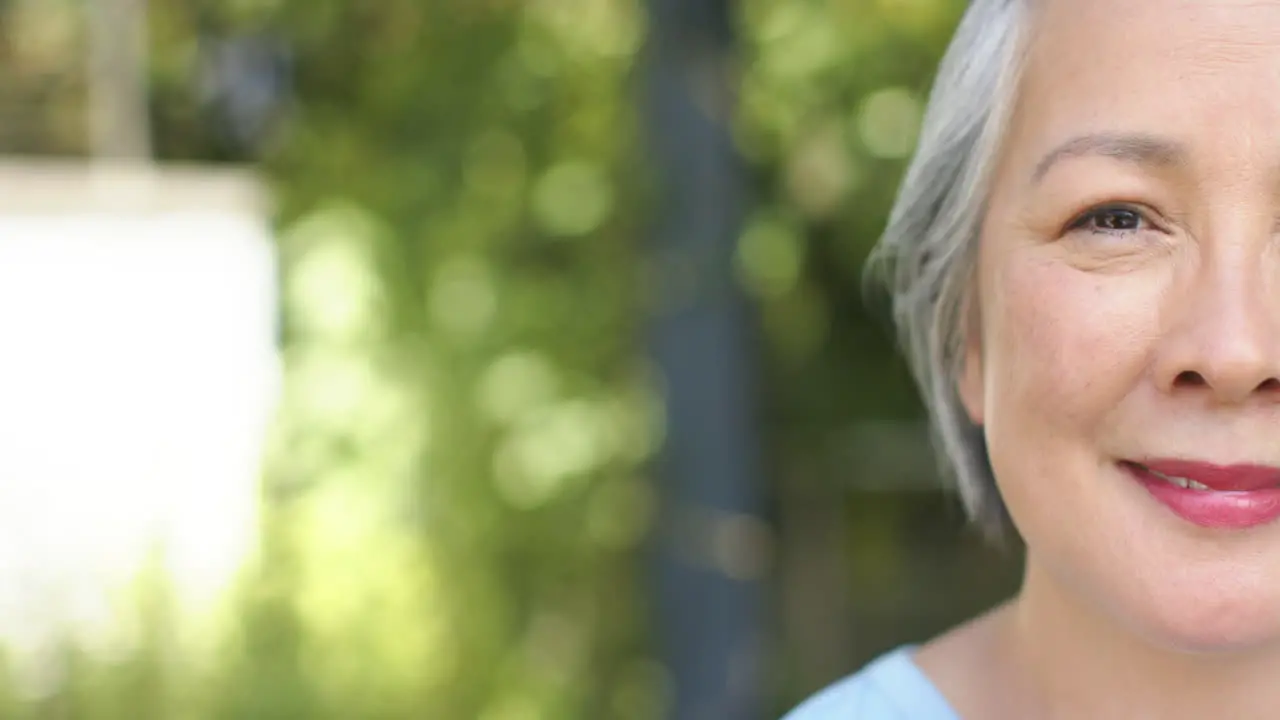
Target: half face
[{"x": 1127, "y": 363}]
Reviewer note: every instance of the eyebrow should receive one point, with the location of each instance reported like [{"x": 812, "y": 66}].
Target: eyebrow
[{"x": 1135, "y": 148}]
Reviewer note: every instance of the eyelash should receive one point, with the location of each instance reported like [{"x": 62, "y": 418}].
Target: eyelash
[{"x": 1082, "y": 221}]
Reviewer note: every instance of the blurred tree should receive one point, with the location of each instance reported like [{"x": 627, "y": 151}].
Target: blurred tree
[
  {"x": 465, "y": 525},
  {"x": 459, "y": 484}
]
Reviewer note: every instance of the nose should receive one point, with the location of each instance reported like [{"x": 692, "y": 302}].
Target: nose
[{"x": 1225, "y": 339}]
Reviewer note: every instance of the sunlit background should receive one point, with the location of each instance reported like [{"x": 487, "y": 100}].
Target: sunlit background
[{"x": 492, "y": 359}]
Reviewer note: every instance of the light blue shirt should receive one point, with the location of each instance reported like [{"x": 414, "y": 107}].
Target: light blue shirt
[{"x": 891, "y": 688}]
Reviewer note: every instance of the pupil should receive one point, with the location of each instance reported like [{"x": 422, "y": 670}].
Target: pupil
[{"x": 1119, "y": 220}]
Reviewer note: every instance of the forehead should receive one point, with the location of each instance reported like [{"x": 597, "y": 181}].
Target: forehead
[{"x": 1189, "y": 69}]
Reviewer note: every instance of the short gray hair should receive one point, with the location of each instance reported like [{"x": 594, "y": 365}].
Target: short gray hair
[{"x": 928, "y": 254}]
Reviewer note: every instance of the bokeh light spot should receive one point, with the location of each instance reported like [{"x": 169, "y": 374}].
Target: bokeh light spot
[
  {"x": 770, "y": 257},
  {"x": 572, "y": 199},
  {"x": 538, "y": 459},
  {"x": 332, "y": 289},
  {"x": 888, "y": 122},
  {"x": 819, "y": 171},
  {"x": 514, "y": 385}
]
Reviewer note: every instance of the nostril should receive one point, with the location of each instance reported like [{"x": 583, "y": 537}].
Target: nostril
[
  {"x": 1193, "y": 379},
  {"x": 1190, "y": 378}
]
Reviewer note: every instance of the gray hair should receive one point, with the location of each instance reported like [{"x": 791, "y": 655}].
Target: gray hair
[{"x": 928, "y": 254}]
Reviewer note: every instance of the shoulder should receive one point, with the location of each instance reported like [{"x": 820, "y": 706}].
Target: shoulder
[{"x": 890, "y": 688}]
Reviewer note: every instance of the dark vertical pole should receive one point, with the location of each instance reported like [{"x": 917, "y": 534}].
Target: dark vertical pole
[{"x": 709, "y": 549}]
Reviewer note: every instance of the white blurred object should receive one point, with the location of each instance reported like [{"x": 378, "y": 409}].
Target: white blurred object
[{"x": 138, "y": 375}]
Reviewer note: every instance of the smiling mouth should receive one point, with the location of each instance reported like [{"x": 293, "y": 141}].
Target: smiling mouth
[
  {"x": 1179, "y": 481},
  {"x": 1209, "y": 495},
  {"x": 1209, "y": 477}
]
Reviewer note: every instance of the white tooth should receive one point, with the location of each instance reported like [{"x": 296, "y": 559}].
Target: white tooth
[
  {"x": 1179, "y": 481},
  {"x": 1171, "y": 479}
]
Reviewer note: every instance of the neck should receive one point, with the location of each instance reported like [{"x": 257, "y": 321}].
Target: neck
[{"x": 1075, "y": 661}]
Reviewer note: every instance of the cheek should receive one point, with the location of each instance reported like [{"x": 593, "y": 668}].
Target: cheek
[
  {"x": 1062, "y": 346},
  {"x": 1064, "y": 351}
]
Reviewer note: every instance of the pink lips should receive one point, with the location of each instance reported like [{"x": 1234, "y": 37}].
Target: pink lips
[{"x": 1237, "y": 496}]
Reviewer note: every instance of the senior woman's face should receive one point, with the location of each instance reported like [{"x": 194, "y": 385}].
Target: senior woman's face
[{"x": 1129, "y": 298}]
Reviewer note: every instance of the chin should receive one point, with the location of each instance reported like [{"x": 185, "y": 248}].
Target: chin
[
  {"x": 1223, "y": 638},
  {"x": 1209, "y": 617},
  {"x": 1184, "y": 588}
]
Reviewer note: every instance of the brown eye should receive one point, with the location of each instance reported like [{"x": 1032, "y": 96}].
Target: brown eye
[{"x": 1110, "y": 220}]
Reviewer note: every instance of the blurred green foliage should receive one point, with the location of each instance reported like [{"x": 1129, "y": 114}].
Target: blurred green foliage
[
  {"x": 456, "y": 496},
  {"x": 830, "y": 104},
  {"x": 459, "y": 484}
]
